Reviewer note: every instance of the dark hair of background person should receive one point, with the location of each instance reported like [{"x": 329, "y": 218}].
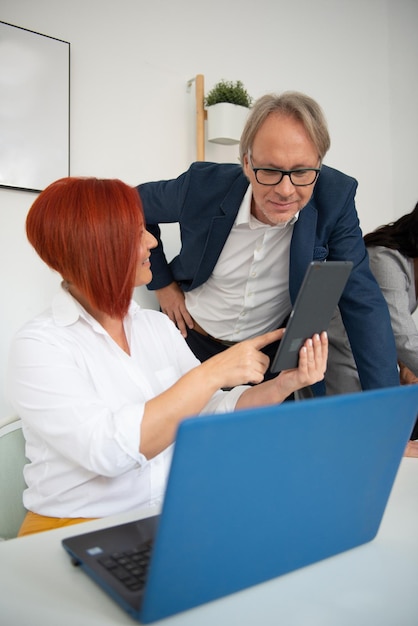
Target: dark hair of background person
[{"x": 401, "y": 235}]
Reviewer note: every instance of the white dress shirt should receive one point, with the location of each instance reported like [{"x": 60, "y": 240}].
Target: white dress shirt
[
  {"x": 81, "y": 399},
  {"x": 247, "y": 293}
]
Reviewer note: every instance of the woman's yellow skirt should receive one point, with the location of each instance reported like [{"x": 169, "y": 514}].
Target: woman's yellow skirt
[{"x": 34, "y": 523}]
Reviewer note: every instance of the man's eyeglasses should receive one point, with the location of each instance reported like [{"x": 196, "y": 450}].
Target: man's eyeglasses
[{"x": 301, "y": 177}]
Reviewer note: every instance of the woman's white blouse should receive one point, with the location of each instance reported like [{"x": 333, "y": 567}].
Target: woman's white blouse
[{"x": 81, "y": 399}]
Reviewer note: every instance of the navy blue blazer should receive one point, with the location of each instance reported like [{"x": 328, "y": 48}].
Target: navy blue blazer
[{"x": 205, "y": 200}]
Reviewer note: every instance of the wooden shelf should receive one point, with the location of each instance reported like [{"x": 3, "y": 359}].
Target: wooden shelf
[{"x": 201, "y": 115}]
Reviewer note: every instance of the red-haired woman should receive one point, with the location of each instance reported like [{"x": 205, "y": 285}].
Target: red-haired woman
[{"x": 101, "y": 384}]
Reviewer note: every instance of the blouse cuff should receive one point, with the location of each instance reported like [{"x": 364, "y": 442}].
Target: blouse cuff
[{"x": 128, "y": 431}]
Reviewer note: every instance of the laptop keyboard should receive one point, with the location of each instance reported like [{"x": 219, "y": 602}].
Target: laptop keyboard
[{"x": 129, "y": 567}]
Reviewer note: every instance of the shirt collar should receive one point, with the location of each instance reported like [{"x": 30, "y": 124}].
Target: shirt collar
[
  {"x": 66, "y": 310},
  {"x": 244, "y": 212}
]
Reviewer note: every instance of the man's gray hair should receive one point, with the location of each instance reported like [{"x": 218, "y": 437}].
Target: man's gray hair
[{"x": 293, "y": 104}]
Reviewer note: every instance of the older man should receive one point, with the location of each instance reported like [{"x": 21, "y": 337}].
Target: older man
[{"x": 249, "y": 232}]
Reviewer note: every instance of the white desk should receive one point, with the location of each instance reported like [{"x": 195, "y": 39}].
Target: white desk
[{"x": 373, "y": 585}]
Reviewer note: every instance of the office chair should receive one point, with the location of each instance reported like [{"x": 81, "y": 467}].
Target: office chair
[{"x": 12, "y": 484}]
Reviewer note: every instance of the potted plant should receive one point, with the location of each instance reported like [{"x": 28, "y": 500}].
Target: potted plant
[{"x": 227, "y": 105}]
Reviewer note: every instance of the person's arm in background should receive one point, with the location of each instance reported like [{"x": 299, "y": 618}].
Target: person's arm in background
[
  {"x": 366, "y": 319},
  {"x": 395, "y": 275}
]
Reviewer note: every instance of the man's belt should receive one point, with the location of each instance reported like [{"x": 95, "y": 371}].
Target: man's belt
[{"x": 203, "y": 332}]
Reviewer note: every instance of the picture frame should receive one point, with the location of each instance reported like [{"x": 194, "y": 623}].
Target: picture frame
[{"x": 34, "y": 108}]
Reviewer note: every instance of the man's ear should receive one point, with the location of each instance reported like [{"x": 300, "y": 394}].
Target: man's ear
[{"x": 246, "y": 165}]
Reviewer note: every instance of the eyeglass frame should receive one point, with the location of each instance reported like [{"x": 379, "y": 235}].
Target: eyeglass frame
[{"x": 283, "y": 173}]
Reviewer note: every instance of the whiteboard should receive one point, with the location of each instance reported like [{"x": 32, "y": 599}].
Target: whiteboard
[{"x": 34, "y": 108}]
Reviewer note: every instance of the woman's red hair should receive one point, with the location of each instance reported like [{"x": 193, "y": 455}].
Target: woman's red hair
[{"x": 89, "y": 231}]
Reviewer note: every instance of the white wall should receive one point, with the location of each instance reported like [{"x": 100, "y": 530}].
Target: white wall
[{"x": 133, "y": 118}]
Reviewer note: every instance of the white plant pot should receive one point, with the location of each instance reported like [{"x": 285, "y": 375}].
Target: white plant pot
[{"x": 226, "y": 122}]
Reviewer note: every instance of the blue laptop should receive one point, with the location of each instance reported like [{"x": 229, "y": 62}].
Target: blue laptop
[{"x": 253, "y": 495}]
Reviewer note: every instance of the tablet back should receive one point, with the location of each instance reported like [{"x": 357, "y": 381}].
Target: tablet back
[{"x": 315, "y": 304}]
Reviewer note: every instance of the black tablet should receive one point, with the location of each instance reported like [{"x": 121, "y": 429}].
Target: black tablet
[{"x": 315, "y": 304}]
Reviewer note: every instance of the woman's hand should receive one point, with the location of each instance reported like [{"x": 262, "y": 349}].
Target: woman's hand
[
  {"x": 411, "y": 449},
  {"x": 239, "y": 364},
  {"x": 311, "y": 368},
  {"x": 242, "y": 363},
  {"x": 245, "y": 363},
  {"x": 406, "y": 376}
]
